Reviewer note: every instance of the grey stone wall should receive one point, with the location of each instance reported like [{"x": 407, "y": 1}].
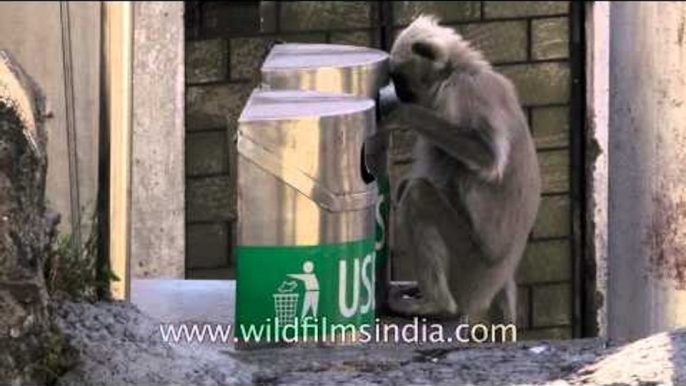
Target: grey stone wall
[{"x": 528, "y": 42}]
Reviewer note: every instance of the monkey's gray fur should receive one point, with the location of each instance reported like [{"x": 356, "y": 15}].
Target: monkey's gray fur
[{"x": 472, "y": 196}]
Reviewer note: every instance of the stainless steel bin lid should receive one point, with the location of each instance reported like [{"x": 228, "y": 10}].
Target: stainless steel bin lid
[
  {"x": 312, "y": 141},
  {"x": 326, "y": 67}
]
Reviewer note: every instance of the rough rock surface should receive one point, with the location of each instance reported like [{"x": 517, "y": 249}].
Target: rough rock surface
[
  {"x": 23, "y": 299},
  {"x": 657, "y": 360},
  {"x": 119, "y": 345}
]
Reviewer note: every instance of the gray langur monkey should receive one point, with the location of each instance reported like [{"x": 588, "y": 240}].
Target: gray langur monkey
[{"x": 472, "y": 196}]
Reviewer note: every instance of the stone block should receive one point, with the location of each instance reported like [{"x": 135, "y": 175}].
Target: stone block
[
  {"x": 554, "y": 216},
  {"x": 226, "y": 19},
  {"x": 210, "y": 199},
  {"x": 207, "y": 153},
  {"x": 502, "y": 9},
  {"x": 550, "y": 38},
  {"x": 550, "y": 126},
  {"x": 207, "y": 245},
  {"x": 247, "y": 55},
  {"x": 552, "y": 305},
  {"x": 325, "y": 15},
  {"x": 489, "y": 38},
  {"x": 555, "y": 170},
  {"x": 303, "y": 37},
  {"x": 268, "y": 16},
  {"x": 449, "y": 11},
  {"x": 206, "y": 61},
  {"x": 546, "y": 261},
  {"x": 540, "y": 83},
  {"x": 211, "y": 274},
  {"x": 215, "y": 106},
  {"x": 355, "y": 38}
]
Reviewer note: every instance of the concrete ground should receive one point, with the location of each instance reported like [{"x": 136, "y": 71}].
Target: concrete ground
[
  {"x": 120, "y": 345},
  {"x": 183, "y": 300}
]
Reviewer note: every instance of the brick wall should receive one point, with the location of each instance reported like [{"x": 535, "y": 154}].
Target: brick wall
[
  {"x": 527, "y": 41},
  {"x": 226, "y": 44}
]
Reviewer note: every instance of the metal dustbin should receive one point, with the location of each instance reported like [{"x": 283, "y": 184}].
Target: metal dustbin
[
  {"x": 335, "y": 68},
  {"x": 343, "y": 69},
  {"x": 306, "y": 232}
]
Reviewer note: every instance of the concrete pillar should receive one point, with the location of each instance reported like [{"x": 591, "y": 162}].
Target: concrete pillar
[
  {"x": 157, "y": 196},
  {"x": 647, "y": 175},
  {"x": 597, "y": 135}
]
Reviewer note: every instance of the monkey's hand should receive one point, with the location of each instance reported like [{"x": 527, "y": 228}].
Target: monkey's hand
[{"x": 388, "y": 100}]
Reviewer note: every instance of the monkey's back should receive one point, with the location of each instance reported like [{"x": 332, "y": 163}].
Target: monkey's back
[{"x": 504, "y": 208}]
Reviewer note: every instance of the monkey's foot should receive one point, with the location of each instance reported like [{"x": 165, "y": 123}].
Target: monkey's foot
[
  {"x": 408, "y": 306},
  {"x": 399, "y": 290}
]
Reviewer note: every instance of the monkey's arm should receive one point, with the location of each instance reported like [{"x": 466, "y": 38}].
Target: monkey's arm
[{"x": 471, "y": 145}]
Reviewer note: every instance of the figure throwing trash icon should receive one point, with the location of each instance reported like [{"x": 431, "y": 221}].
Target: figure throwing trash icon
[{"x": 309, "y": 280}]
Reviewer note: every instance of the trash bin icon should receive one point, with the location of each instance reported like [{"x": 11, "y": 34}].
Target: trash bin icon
[
  {"x": 285, "y": 306},
  {"x": 306, "y": 217}
]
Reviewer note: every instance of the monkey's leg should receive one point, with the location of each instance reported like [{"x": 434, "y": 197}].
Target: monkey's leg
[
  {"x": 503, "y": 311},
  {"x": 504, "y": 306},
  {"x": 421, "y": 209}
]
